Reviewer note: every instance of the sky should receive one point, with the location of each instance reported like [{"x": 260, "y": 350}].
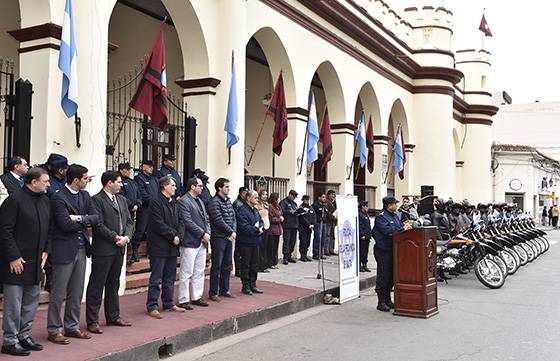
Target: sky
[{"x": 525, "y": 50}]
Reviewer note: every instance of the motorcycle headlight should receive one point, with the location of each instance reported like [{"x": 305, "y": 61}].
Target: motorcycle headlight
[{"x": 439, "y": 249}]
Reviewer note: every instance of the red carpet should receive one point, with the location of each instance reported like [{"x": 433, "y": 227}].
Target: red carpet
[{"x": 146, "y": 329}]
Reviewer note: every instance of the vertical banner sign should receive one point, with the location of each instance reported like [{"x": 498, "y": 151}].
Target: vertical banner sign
[{"x": 348, "y": 252}]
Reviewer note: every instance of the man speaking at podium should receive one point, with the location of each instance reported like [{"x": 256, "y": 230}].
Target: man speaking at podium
[{"x": 387, "y": 223}]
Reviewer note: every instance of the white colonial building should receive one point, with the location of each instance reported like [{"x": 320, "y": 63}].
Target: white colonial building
[
  {"x": 355, "y": 55},
  {"x": 525, "y": 176}
]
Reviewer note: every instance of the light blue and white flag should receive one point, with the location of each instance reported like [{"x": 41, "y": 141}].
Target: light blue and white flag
[
  {"x": 231, "y": 118},
  {"x": 400, "y": 156},
  {"x": 67, "y": 63},
  {"x": 361, "y": 137},
  {"x": 312, "y": 132}
]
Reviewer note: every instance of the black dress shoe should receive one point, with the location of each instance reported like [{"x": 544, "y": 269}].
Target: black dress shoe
[
  {"x": 247, "y": 291},
  {"x": 264, "y": 271},
  {"x": 29, "y": 344},
  {"x": 323, "y": 257},
  {"x": 362, "y": 269},
  {"x": 200, "y": 302},
  {"x": 15, "y": 350},
  {"x": 383, "y": 307},
  {"x": 227, "y": 295},
  {"x": 366, "y": 269},
  {"x": 291, "y": 260},
  {"x": 315, "y": 257},
  {"x": 390, "y": 304},
  {"x": 303, "y": 259},
  {"x": 256, "y": 290},
  {"x": 285, "y": 261}
]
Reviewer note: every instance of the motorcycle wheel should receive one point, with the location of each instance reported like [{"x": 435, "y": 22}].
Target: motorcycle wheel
[
  {"x": 511, "y": 261},
  {"x": 515, "y": 255},
  {"x": 523, "y": 257},
  {"x": 544, "y": 242},
  {"x": 536, "y": 248},
  {"x": 489, "y": 273},
  {"x": 530, "y": 252},
  {"x": 501, "y": 262}
]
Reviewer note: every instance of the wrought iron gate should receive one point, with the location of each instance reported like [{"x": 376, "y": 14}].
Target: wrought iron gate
[
  {"x": 139, "y": 140},
  {"x": 15, "y": 103}
]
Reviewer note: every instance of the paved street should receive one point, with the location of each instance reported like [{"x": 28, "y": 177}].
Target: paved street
[{"x": 521, "y": 321}]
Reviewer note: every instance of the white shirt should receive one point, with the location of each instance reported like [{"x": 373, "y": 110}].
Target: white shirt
[{"x": 71, "y": 190}]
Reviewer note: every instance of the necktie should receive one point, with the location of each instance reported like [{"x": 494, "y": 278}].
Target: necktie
[
  {"x": 20, "y": 181},
  {"x": 114, "y": 199}
]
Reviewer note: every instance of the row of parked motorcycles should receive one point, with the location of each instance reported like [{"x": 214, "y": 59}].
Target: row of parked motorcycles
[{"x": 495, "y": 249}]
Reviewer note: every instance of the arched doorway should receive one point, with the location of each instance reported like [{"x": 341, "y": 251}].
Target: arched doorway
[
  {"x": 396, "y": 186},
  {"x": 265, "y": 58},
  {"x": 327, "y": 90},
  {"x": 366, "y": 184},
  {"x": 10, "y": 19},
  {"x": 138, "y": 139}
]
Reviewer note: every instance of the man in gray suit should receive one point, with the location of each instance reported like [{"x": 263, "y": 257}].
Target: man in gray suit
[
  {"x": 110, "y": 237},
  {"x": 193, "y": 216}
]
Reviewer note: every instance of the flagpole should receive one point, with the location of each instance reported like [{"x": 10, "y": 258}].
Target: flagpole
[
  {"x": 483, "y": 34},
  {"x": 258, "y": 138},
  {"x": 350, "y": 168},
  {"x": 121, "y": 126}
]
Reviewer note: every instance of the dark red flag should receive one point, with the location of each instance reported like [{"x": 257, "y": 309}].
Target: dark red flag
[
  {"x": 151, "y": 94},
  {"x": 484, "y": 27},
  {"x": 326, "y": 139},
  {"x": 278, "y": 111},
  {"x": 370, "y": 146}
]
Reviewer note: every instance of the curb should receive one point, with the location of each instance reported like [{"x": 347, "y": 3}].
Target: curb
[{"x": 167, "y": 346}]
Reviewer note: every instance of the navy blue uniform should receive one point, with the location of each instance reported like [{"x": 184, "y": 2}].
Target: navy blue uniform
[
  {"x": 386, "y": 225},
  {"x": 130, "y": 191},
  {"x": 164, "y": 171},
  {"x": 365, "y": 236},
  {"x": 148, "y": 190},
  {"x": 306, "y": 216}
]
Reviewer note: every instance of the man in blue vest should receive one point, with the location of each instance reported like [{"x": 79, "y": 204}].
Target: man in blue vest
[
  {"x": 387, "y": 224},
  {"x": 168, "y": 169}
]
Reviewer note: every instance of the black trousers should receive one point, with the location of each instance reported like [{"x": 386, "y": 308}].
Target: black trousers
[
  {"x": 248, "y": 263},
  {"x": 273, "y": 242},
  {"x": 364, "y": 249},
  {"x": 142, "y": 218},
  {"x": 304, "y": 242},
  {"x": 329, "y": 244},
  {"x": 384, "y": 282},
  {"x": 290, "y": 235},
  {"x": 264, "y": 257},
  {"x": 105, "y": 275}
]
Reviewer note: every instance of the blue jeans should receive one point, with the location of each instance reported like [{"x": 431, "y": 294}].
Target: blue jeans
[
  {"x": 319, "y": 239},
  {"x": 221, "y": 266},
  {"x": 164, "y": 271}
]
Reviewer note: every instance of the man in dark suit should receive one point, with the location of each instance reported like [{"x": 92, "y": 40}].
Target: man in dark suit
[
  {"x": 164, "y": 232},
  {"x": 290, "y": 226},
  {"x": 13, "y": 178},
  {"x": 168, "y": 169},
  {"x": 72, "y": 211},
  {"x": 110, "y": 237},
  {"x": 364, "y": 234},
  {"x": 148, "y": 189},
  {"x": 194, "y": 242},
  {"x": 24, "y": 227}
]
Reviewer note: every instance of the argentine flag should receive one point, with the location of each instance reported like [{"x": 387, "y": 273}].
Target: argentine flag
[
  {"x": 400, "y": 157},
  {"x": 313, "y": 132},
  {"x": 361, "y": 137},
  {"x": 231, "y": 117},
  {"x": 67, "y": 63}
]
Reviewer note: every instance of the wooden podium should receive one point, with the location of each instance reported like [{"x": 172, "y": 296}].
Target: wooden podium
[{"x": 415, "y": 272}]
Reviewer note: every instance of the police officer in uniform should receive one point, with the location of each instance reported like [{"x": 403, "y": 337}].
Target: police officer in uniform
[
  {"x": 387, "y": 223},
  {"x": 129, "y": 190},
  {"x": 306, "y": 224},
  {"x": 149, "y": 190},
  {"x": 365, "y": 235},
  {"x": 168, "y": 169}
]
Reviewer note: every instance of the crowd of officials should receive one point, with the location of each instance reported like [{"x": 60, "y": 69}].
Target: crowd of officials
[{"x": 46, "y": 217}]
